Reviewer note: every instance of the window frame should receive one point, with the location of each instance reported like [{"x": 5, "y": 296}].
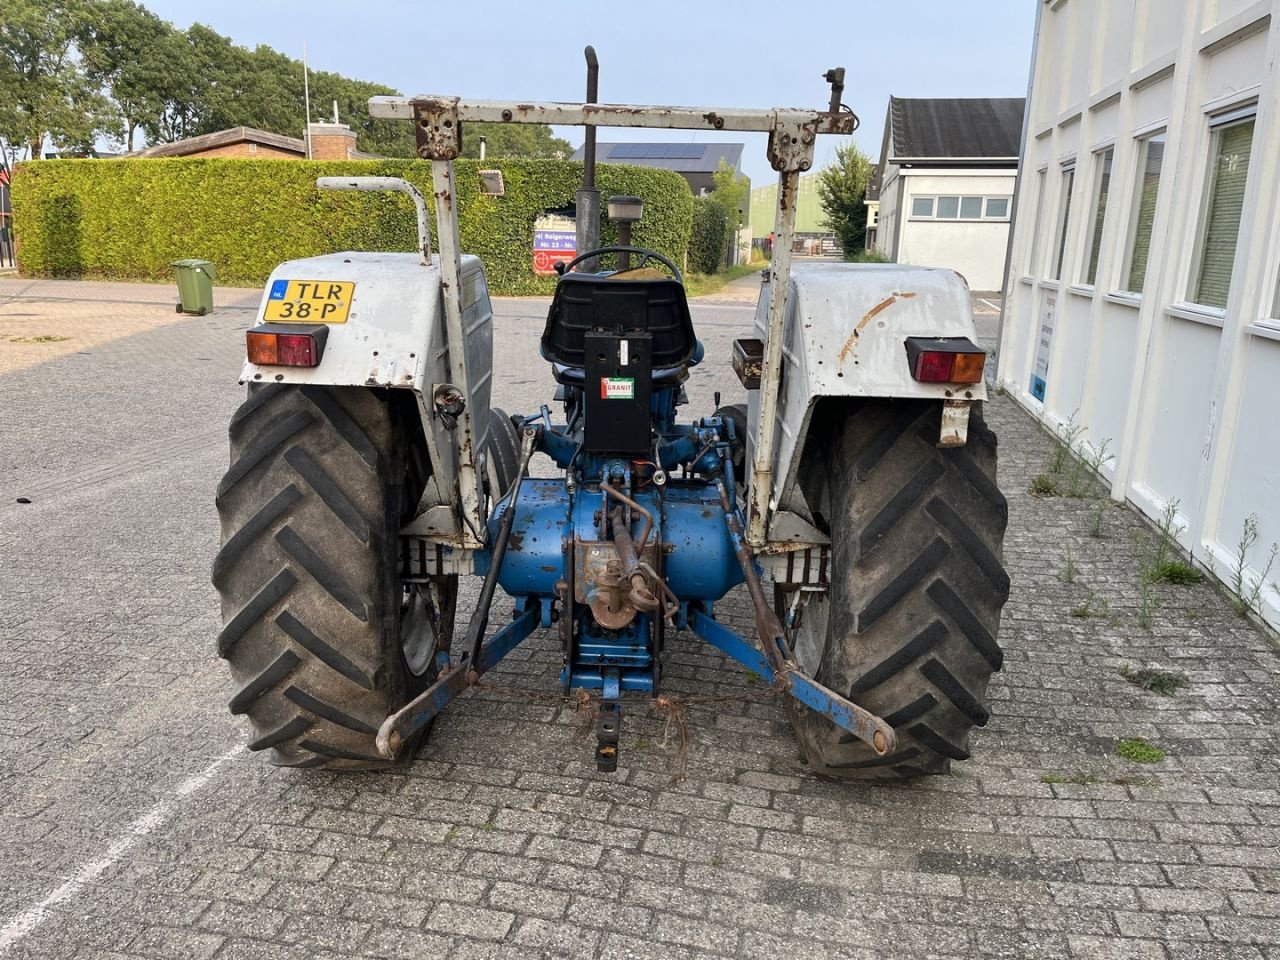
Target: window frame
[
  {"x": 933, "y": 204},
  {"x": 1097, "y": 222},
  {"x": 1219, "y": 122},
  {"x": 1144, "y": 142},
  {"x": 1033, "y": 264},
  {"x": 1067, "y": 186},
  {"x": 984, "y": 198}
]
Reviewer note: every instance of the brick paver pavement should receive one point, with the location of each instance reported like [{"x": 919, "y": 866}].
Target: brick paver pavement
[{"x": 133, "y": 824}]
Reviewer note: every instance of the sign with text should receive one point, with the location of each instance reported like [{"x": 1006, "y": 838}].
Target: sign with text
[
  {"x": 1044, "y": 346},
  {"x": 555, "y": 240}
]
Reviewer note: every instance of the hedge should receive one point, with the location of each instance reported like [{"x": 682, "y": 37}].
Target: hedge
[
  {"x": 128, "y": 219},
  {"x": 710, "y": 237}
]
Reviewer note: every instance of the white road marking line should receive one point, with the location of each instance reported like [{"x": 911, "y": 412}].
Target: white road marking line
[
  {"x": 993, "y": 306},
  {"x": 19, "y": 926}
]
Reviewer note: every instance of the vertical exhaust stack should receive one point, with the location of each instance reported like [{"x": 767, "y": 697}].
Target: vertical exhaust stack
[{"x": 588, "y": 199}]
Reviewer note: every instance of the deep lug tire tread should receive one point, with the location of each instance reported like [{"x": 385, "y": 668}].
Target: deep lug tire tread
[
  {"x": 917, "y": 531},
  {"x": 310, "y": 512}
]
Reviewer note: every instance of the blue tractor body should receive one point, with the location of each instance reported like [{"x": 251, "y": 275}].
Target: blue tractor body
[{"x": 642, "y": 531}]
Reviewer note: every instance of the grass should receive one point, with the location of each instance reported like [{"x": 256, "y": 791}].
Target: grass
[
  {"x": 1138, "y": 750},
  {"x": 705, "y": 284},
  {"x": 867, "y": 256},
  {"x": 1069, "y": 568},
  {"x": 1175, "y": 571},
  {"x": 1164, "y": 682}
]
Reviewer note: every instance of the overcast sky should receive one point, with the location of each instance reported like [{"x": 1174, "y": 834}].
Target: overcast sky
[{"x": 747, "y": 53}]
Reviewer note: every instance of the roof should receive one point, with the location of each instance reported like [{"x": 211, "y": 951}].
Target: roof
[
  {"x": 680, "y": 157},
  {"x": 969, "y": 129},
  {"x": 223, "y": 138}
]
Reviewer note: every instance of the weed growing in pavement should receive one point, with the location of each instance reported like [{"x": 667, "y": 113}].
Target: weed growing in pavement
[
  {"x": 1178, "y": 572},
  {"x": 1044, "y": 485},
  {"x": 1085, "y": 468},
  {"x": 1164, "y": 682},
  {"x": 1087, "y": 608},
  {"x": 1138, "y": 750},
  {"x": 1246, "y": 591},
  {"x": 1095, "y": 524},
  {"x": 1167, "y": 531},
  {"x": 1064, "y": 446},
  {"x": 1069, "y": 569},
  {"x": 1161, "y": 564}
]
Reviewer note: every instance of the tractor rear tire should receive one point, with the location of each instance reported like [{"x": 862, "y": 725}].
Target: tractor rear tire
[
  {"x": 908, "y": 628},
  {"x": 321, "y": 479}
]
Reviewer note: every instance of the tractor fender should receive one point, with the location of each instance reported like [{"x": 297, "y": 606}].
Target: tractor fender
[
  {"x": 393, "y": 336},
  {"x": 845, "y": 337}
]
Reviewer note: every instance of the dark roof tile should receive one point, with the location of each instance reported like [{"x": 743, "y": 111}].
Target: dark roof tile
[{"x": 953, "y": 128}]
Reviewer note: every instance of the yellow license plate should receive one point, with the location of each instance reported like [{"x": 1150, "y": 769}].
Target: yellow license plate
[{"x": 309, "y": 301}]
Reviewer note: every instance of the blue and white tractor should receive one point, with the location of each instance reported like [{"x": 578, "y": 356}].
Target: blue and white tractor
[{"x": 369, "y": 473}]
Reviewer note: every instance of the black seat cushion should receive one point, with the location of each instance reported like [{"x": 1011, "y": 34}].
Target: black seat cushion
[{"x": 595, "y": 301}]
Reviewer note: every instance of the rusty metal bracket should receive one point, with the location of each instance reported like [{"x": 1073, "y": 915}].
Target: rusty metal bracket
[
  {"x": 774, "y": 661},
  {"x": 955, "y": 423},
  {"x": 437, "y": 128},
  {"x": 791, "y": 143}
]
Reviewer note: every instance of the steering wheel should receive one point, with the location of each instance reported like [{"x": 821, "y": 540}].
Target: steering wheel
[{"x": 645, "y": 256}]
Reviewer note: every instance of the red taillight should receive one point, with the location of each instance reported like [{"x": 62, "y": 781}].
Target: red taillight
[
  {"x": 945, "y": 360},
  {"x": 296, "y": 350},
  {"x": 285, "y": 346},
  {"x": 933, "y": 367}
]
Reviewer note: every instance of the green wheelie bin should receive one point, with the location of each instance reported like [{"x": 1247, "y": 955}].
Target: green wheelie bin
[{"x": 195, "y": 286}]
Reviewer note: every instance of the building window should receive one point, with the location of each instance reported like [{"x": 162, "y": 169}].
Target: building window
[
  {"x": 1228, "y": 173},
  {"x": 948, "y": 208},
  {"x": 1149, "y": 165},
  {"x": 1033, "y": 261},
  {"x": 960, "y": 208},
  {"x": 1068, "y": 182},
  {"x": 1101, "y": 189}
]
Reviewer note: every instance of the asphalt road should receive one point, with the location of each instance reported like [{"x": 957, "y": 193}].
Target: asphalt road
[{"x": 134, "y": 824}]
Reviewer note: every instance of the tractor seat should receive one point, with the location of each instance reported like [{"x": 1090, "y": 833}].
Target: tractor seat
[{"x": 636, "y": 302}]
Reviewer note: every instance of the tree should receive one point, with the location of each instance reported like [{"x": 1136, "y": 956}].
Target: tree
[
  {"x": 842, "y": 187},
  {"x": 126, "y": 49},
  {"x": 44, "y": 88},
  {"x": 729, "y": 195},
  {"x": 530, "y": 141}
]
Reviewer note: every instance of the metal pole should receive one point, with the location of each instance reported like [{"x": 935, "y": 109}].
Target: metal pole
[
  {"x": 450, "y": 274},
  {"x": 588, "y": 199},
  {"x": 624, "y": 238},
  {"x": 306, "y": 99},
  {"x": 771, "y": 372}
]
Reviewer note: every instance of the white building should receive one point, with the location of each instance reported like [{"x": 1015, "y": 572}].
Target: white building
[
  {"x": 1142, "y": 295},
  {"x": 945, "y": 179}
]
